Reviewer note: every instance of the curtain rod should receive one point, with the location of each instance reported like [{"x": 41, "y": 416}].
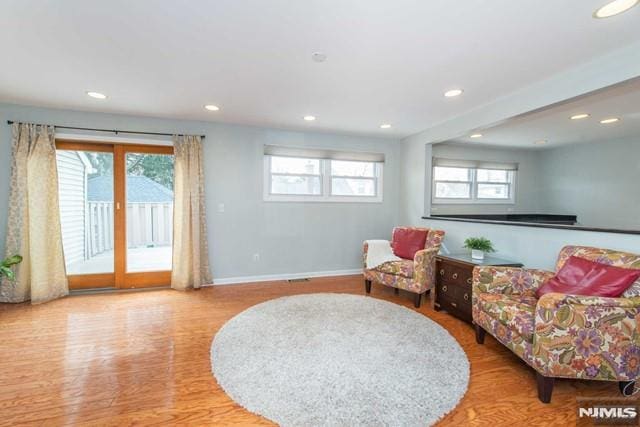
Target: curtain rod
[{"x": 10, "y": 122}]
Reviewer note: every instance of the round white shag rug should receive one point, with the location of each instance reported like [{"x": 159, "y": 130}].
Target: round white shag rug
[{"x": 337, "y": 360}]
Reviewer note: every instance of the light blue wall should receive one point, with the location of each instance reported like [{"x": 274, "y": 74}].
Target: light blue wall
[
  {"x": 290, "y": 237},
  {"x": 598, "y": 181}
]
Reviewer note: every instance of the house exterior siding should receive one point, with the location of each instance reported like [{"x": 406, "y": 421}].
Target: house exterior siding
[{"x": 72, "y": 188}]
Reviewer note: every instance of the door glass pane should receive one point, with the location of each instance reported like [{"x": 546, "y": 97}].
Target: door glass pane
[
  {"x": 149, "y": 200},
  {"x": 85, "y": 186}
]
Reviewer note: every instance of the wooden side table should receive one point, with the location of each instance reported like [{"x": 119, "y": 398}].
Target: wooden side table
[{"x": 453, "y": 282}]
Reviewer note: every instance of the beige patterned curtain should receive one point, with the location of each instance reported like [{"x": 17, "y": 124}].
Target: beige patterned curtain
[
  {"x": 190, "y": 249},
  {"x": 33, "y": 227}
]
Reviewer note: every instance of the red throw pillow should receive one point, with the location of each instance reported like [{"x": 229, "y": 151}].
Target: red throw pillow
[
  {"x": 580, "y": 276},
  {"x": 407, "y": 241}
]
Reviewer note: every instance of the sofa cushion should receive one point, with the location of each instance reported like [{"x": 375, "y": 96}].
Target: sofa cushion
[
  {"x": 516, "y": 312},
  {"x": 402, "y": 268},
  {"x": 406, "y": 241},
  {"x": 579, "y": 276}
]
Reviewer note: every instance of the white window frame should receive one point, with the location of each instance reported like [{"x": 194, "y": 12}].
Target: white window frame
[
  {"x": 325, "y": 185},
  {"x": 474, "y": 199}
]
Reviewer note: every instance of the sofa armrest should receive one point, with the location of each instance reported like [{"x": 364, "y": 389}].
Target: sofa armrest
[
  {"x": 587, "y": 337},
  {"x": 508, "y": 280},
  {"x": 554, "y": 301},
  {"x": 424, "y": 267}
]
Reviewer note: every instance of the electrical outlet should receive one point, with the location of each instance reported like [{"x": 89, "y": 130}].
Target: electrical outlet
[
  {"x": 256, "y": 257},
  {"x": 221, "y": 207}
]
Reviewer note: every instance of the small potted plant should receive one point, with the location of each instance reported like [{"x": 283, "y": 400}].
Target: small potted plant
[
  {"x": 6, "y": 264},
  {"x": 478, "y": 246}
]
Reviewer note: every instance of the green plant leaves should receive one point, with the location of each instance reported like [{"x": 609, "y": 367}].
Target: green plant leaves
[
  {"x": 6, "y": 271},
  {"x": 479, "y": 243},
  {"x": 7, "y": 263},
  {"x": 13, "y": 260}
]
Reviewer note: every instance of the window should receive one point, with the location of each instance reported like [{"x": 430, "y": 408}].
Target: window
[
  {"x": 290, "y": 175},
  {"x": 463, "y": 181},
  {"x": 313, "y": 175},
  {"x": 493, "y": 184},
  {"x": 349, "y": 178}
]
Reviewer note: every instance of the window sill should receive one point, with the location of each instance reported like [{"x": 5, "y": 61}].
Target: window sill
[{"x": 473, "y": 202}]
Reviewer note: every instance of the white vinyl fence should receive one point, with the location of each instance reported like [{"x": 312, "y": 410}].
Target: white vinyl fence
[{"x": 148, "y": 225}]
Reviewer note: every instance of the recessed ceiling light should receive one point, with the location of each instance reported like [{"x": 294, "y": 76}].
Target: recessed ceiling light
[
  {"x": 608, "y": 121},
  {"x": 211, "y": 107},
  {"x": 476, "y": 135},
  {"x": 453, "y": 92},
  {"x": 541, "y": 142},
  {"x": 309, "y": 118},
  {"x": 580, "y": 116},
  {"x": 614, "y": 7},
  {"x": 97, "y": 95},
  {"x": 385, "y": 126}
]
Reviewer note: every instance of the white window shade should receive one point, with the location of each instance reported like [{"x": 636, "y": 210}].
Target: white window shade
[
  {"x": 324, "y": 154},
  {"x": 474, "y": 164}
]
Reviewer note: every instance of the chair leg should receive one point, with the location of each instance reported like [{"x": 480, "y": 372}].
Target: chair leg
[
  {"x": 396, "y": 291},
  {"x": 545, "y": 387},
  {"x": 480, "y": 333},
  {"x": 416, "y": 300},
  {"x": 367, "y": 286},
  {"x": 627, "y": 387}
]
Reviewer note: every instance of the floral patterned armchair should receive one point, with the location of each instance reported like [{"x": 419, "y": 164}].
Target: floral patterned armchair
[
  {"x": 558, "y": 335},
  {"x": 415, "y": 275}
]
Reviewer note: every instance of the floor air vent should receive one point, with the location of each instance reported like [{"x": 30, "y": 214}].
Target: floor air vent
[{"x": 304, "y": 279}]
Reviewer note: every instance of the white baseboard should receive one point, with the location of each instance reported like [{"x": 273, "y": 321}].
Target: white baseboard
[{"x": 283, "y": 276}]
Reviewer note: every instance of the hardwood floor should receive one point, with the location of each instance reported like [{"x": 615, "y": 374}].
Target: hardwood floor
[{"x": 143, "y": 358}]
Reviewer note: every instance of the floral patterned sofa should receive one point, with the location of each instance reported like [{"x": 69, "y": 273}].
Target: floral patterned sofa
[
  {"x": 416, "y": 275},
  {"x": 562, "y": 336}
]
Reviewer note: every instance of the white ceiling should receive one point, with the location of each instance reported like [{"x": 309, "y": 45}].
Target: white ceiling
[
  {"x": 554, "y": 125},
  {"x": 388, "y": 61}
]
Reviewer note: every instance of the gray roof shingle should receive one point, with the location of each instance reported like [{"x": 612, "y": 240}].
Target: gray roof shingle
[{"x": 140, "y": 189}]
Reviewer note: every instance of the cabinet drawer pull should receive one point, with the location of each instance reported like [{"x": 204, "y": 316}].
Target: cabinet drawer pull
[
  {"x": 442, "y": 272},
  {"x": 454, "y": 304},
  {"x": 469, "y": 280},
  {"x": 455, "y": 276},
  {"x": 466, "y": 297},
  {"x": 444, "y": 288}
]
